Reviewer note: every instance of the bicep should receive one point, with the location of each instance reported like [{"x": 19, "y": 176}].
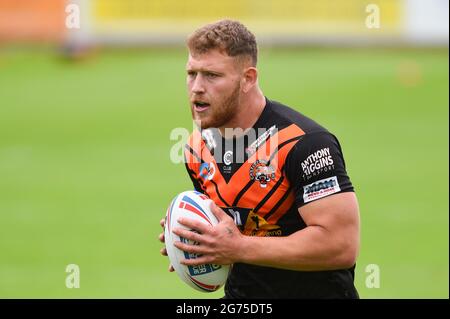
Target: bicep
[{"x": 337, "y": 215}]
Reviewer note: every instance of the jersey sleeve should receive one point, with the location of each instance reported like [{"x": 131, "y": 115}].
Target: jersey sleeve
[{"x": 315, "y": 168}]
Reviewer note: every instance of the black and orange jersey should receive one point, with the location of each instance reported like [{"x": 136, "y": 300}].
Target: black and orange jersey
[{"x": 260, "y": 178}]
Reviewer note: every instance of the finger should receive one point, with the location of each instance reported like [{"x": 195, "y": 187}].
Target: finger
[
  {"x": 193, "y": 249},
  {"x": 218, "y": 212},
  {"x": 162, "y": 222},
  {"x": 199, "y": 226},
  {"x": 161, "y": 237},
  {"x": 190, "y": 235},
  {"x": 171, "y": 269},
  {"x": 197, "y": 261},
  {"x": 163, "y": 251}
]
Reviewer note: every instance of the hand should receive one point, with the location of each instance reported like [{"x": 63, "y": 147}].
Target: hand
[
  {"x": 163, "y": 250},
  {"x": 219, "y": 244}
]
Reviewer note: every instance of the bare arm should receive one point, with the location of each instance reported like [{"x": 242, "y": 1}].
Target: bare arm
[{"x": 330, "y": 240}]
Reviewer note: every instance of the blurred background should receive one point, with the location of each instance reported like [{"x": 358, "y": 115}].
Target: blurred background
[{"x": 91, "y": 90}]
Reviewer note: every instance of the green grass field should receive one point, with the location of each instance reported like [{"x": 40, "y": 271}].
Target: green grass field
[{"x": 85, "y": 174}]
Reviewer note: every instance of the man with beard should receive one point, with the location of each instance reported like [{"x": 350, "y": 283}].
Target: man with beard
[{"x": 288, "y": 215}]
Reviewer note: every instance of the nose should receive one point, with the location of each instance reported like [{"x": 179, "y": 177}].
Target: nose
[{"x": 197, "y": 85}]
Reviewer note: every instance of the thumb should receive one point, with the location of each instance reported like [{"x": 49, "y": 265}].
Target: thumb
[{"x": 218, "y": 212}]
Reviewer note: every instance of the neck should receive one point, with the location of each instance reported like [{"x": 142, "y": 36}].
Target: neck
[{"x": 249, "y": 110}]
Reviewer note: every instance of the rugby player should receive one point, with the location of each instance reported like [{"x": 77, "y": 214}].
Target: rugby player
[{"x": 288, "y": 215}]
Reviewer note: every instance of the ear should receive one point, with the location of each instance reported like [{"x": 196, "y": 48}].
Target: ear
[{"x": 250, "y": 79}]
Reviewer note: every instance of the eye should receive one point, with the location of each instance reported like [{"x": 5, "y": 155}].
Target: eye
[
  {"x": 191, "y": 73},
  {"x": 211, "y": 75}
]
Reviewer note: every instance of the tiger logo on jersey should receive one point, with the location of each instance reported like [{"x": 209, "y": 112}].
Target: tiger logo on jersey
[{"x": 262, "y": 172}]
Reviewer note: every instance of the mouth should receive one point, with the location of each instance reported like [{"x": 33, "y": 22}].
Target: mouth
[{"x": 200, "y": 106}]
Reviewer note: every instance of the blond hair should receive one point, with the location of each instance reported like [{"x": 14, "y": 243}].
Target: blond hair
[{"x": 228, "y": 36}]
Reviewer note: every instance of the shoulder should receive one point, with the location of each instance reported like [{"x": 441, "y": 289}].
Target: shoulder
[
  {"x": 293, "y": 125},
  {"x": 193, "y": 148},
  {"x": 311, "y": 138},
  {"x": 286, "y": 116},
  {"x": 317, "y": 142}
]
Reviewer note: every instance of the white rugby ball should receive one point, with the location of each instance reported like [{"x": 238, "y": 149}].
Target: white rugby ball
[{"x": 194, "y": 205}]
